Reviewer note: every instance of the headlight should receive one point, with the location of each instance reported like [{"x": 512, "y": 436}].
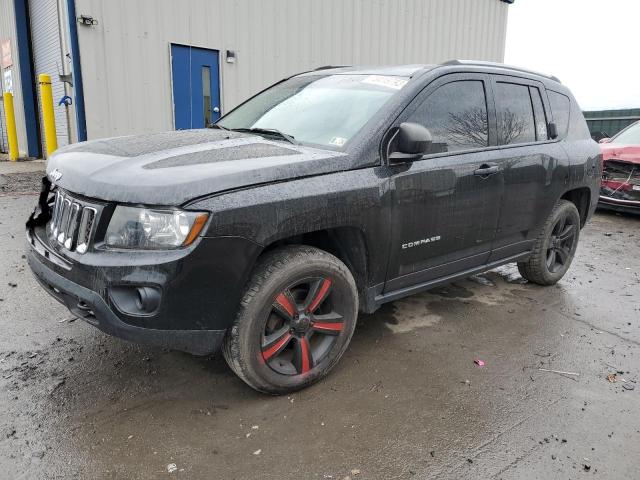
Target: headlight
[{"x": 145, "y": 228}]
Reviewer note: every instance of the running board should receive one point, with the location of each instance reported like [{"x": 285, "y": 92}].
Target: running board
[{"x": 421, "y": 287}]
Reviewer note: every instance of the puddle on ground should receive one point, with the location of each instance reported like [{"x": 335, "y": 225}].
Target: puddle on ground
[
  {"x": 510, "y": 274},
  {"x": 411, "y": 313},
  {"x": 487, "y": 289},
  {"x": 453, "y": 290}
]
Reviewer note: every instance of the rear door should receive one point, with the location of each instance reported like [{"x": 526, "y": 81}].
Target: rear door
[
  {"x": 532, "y": 164},
  {"x": 446, "y": 205}
]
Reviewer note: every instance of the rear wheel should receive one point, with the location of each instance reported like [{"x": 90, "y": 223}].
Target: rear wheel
[
  {"x": 295, "y": 321},
  {"x": 555, "y": 247}
]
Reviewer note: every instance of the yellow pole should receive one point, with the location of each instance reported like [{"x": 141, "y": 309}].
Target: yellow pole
[
  {"x": 12, "y": 135},
  {"x": 48, "y": 118}
]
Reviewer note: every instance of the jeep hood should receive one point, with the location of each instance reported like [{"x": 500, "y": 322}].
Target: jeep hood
[{"x": 174, "y": 167}]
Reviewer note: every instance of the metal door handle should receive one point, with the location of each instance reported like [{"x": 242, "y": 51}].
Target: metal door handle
[
  {"x": 486, "y": 169},
  {"x": 216, "y": 109}
]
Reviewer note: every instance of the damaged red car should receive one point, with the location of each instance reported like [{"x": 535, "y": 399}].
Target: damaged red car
[{"x": 620, "y": 188}]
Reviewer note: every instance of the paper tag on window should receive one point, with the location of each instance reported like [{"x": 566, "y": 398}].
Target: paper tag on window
[
  {"x": 338, "y": 141},
  {"x": 384, "y": 81}
]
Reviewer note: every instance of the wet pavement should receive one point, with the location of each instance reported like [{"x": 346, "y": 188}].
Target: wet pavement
[{"x": 406, "y": 401}]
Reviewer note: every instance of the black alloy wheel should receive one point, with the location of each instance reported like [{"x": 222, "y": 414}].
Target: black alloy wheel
[
  {"x": 561, "y": 243},
  {"x": 302, "y": 326}
]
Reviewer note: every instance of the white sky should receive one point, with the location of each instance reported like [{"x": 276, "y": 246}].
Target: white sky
[{"x": 593, "y": 46}]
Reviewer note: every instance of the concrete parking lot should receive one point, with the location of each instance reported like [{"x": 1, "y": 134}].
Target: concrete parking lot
[{"x": 406, "y": 401}]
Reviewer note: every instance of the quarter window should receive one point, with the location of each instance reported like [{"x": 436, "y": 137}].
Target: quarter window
[
  {"x": 561, "y": 106},
  {"x": 538, "y": 110},
  {"x": 456, "y": 116},
  {"x": 515, "y": 114}
]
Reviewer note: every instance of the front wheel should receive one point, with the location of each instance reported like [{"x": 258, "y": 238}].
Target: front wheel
[
  {"x": 555, "y": 247},
  {"x": 295, "y": 320}
]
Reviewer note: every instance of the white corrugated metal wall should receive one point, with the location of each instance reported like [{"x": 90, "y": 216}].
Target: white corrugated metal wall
[
  {"x": 126, "y": 64},
  {"x": 48, "y": 58}
]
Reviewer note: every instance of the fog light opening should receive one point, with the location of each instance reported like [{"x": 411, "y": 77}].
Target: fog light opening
[{"x": 134, "y": 300}]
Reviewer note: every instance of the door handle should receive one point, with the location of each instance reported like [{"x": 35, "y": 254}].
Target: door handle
[
  {"x": 216, "y": 109},
  {"x": 486, "y": 169}
]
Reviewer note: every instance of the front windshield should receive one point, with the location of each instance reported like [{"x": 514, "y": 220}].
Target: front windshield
[
  {"x": 325, "y": 110},
  {"x": 630, "y": 136}
]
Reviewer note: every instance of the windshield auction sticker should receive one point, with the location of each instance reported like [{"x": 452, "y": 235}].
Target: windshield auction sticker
[{"x": 385, "y": 81}]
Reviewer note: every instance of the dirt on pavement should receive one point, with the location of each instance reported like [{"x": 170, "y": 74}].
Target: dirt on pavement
[{"x": 406, "y": 401}]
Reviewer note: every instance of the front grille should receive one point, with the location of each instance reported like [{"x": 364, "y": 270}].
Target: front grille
[{"x": 72, "y": 222}]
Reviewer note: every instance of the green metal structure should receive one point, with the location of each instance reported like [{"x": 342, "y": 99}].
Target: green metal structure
[{"x": 610, "y": 122}]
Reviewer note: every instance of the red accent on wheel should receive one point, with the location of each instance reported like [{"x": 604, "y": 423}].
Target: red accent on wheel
[
  {"x": 276, "y": 347},
  {"x": 305, "y": 353},
  {"x": 328, "y": 326},
  {"x": 286, "y": 304},
  {"x": 320, "y": 296}
]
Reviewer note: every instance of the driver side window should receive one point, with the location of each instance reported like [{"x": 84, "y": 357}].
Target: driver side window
[{"x": 456, "y": 116}]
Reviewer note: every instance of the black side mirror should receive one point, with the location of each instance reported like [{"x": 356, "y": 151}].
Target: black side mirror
[
  {"x": 413, "y": 142},
  {"x": 552, "y": 130}
]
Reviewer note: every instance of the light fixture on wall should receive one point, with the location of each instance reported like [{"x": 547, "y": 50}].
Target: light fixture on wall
[
  {"x": 230, "y": 56},
  {"x": 87, "y": 20}
]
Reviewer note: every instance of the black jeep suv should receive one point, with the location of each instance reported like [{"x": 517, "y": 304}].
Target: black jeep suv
[{"x": 329, "y": 193}]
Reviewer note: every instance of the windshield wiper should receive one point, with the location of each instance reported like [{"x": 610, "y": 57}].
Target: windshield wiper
[
  {"x": 215, "y": 125},
  {"x": 268, "y": 131}
]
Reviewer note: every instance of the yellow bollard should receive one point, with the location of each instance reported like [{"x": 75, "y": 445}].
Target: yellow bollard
[
  {"x": 48, "y": 118},
  {"x": 12, "y": 135}
]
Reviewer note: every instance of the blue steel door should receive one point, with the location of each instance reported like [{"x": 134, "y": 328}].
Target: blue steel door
[{"x": 196, "y": 86}]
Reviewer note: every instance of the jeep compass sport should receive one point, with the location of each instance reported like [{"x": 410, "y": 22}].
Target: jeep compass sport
[{"x": 330, "y": 193}]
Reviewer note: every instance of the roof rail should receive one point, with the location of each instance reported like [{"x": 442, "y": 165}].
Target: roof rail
[
  {"x": 329, "y": 67},
  {"x": 480, "y": 63}
]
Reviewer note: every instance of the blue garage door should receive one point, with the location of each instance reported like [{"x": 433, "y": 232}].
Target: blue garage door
[{"x": 196, "y": 86}]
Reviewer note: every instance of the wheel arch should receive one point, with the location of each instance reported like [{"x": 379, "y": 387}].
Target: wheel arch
[
  {"x": 581, "y": 198},
  {"x": 346, "y": 243}
]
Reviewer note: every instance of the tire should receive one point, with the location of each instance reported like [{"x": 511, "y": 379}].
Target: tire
[
  {"x": 295, "y": 320},
  {"x": 555, "y": 247}
]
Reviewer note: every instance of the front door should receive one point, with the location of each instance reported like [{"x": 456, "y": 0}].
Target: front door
[
  {"x": 446, "y": 205},
  {"x": 196, "y": 86}
]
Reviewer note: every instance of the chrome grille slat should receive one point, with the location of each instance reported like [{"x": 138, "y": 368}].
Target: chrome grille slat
[
  {"x": 56, "y": 214},
  {"x": 86, "y": 226},
  {"x": 64, "y": 219},
  {"x": 72, "y": 227},
  {"x": 72, "y": 222}
]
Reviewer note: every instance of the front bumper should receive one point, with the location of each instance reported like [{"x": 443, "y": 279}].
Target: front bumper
[
  {"x": 618, "y": 205},
  {"x": 90, "y": 306}
]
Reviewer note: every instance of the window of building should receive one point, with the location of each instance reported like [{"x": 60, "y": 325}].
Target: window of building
[
  {"x": 560, "y": 106},
  {"x": 456, "y": 116},
  {"x": 206, "y": 96},
  {"x": 516, "y": 122}
]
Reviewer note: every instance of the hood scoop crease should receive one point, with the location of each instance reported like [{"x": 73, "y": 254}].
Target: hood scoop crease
[{"x": 224, "y": 154}]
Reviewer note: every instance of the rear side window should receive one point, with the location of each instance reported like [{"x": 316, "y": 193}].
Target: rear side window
[
  {"x": 516, "y": 123},
  {"x": 560, "y": 106},
  {"x": 538, "y": 111},
  {"x": 456, "y": 116}
]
